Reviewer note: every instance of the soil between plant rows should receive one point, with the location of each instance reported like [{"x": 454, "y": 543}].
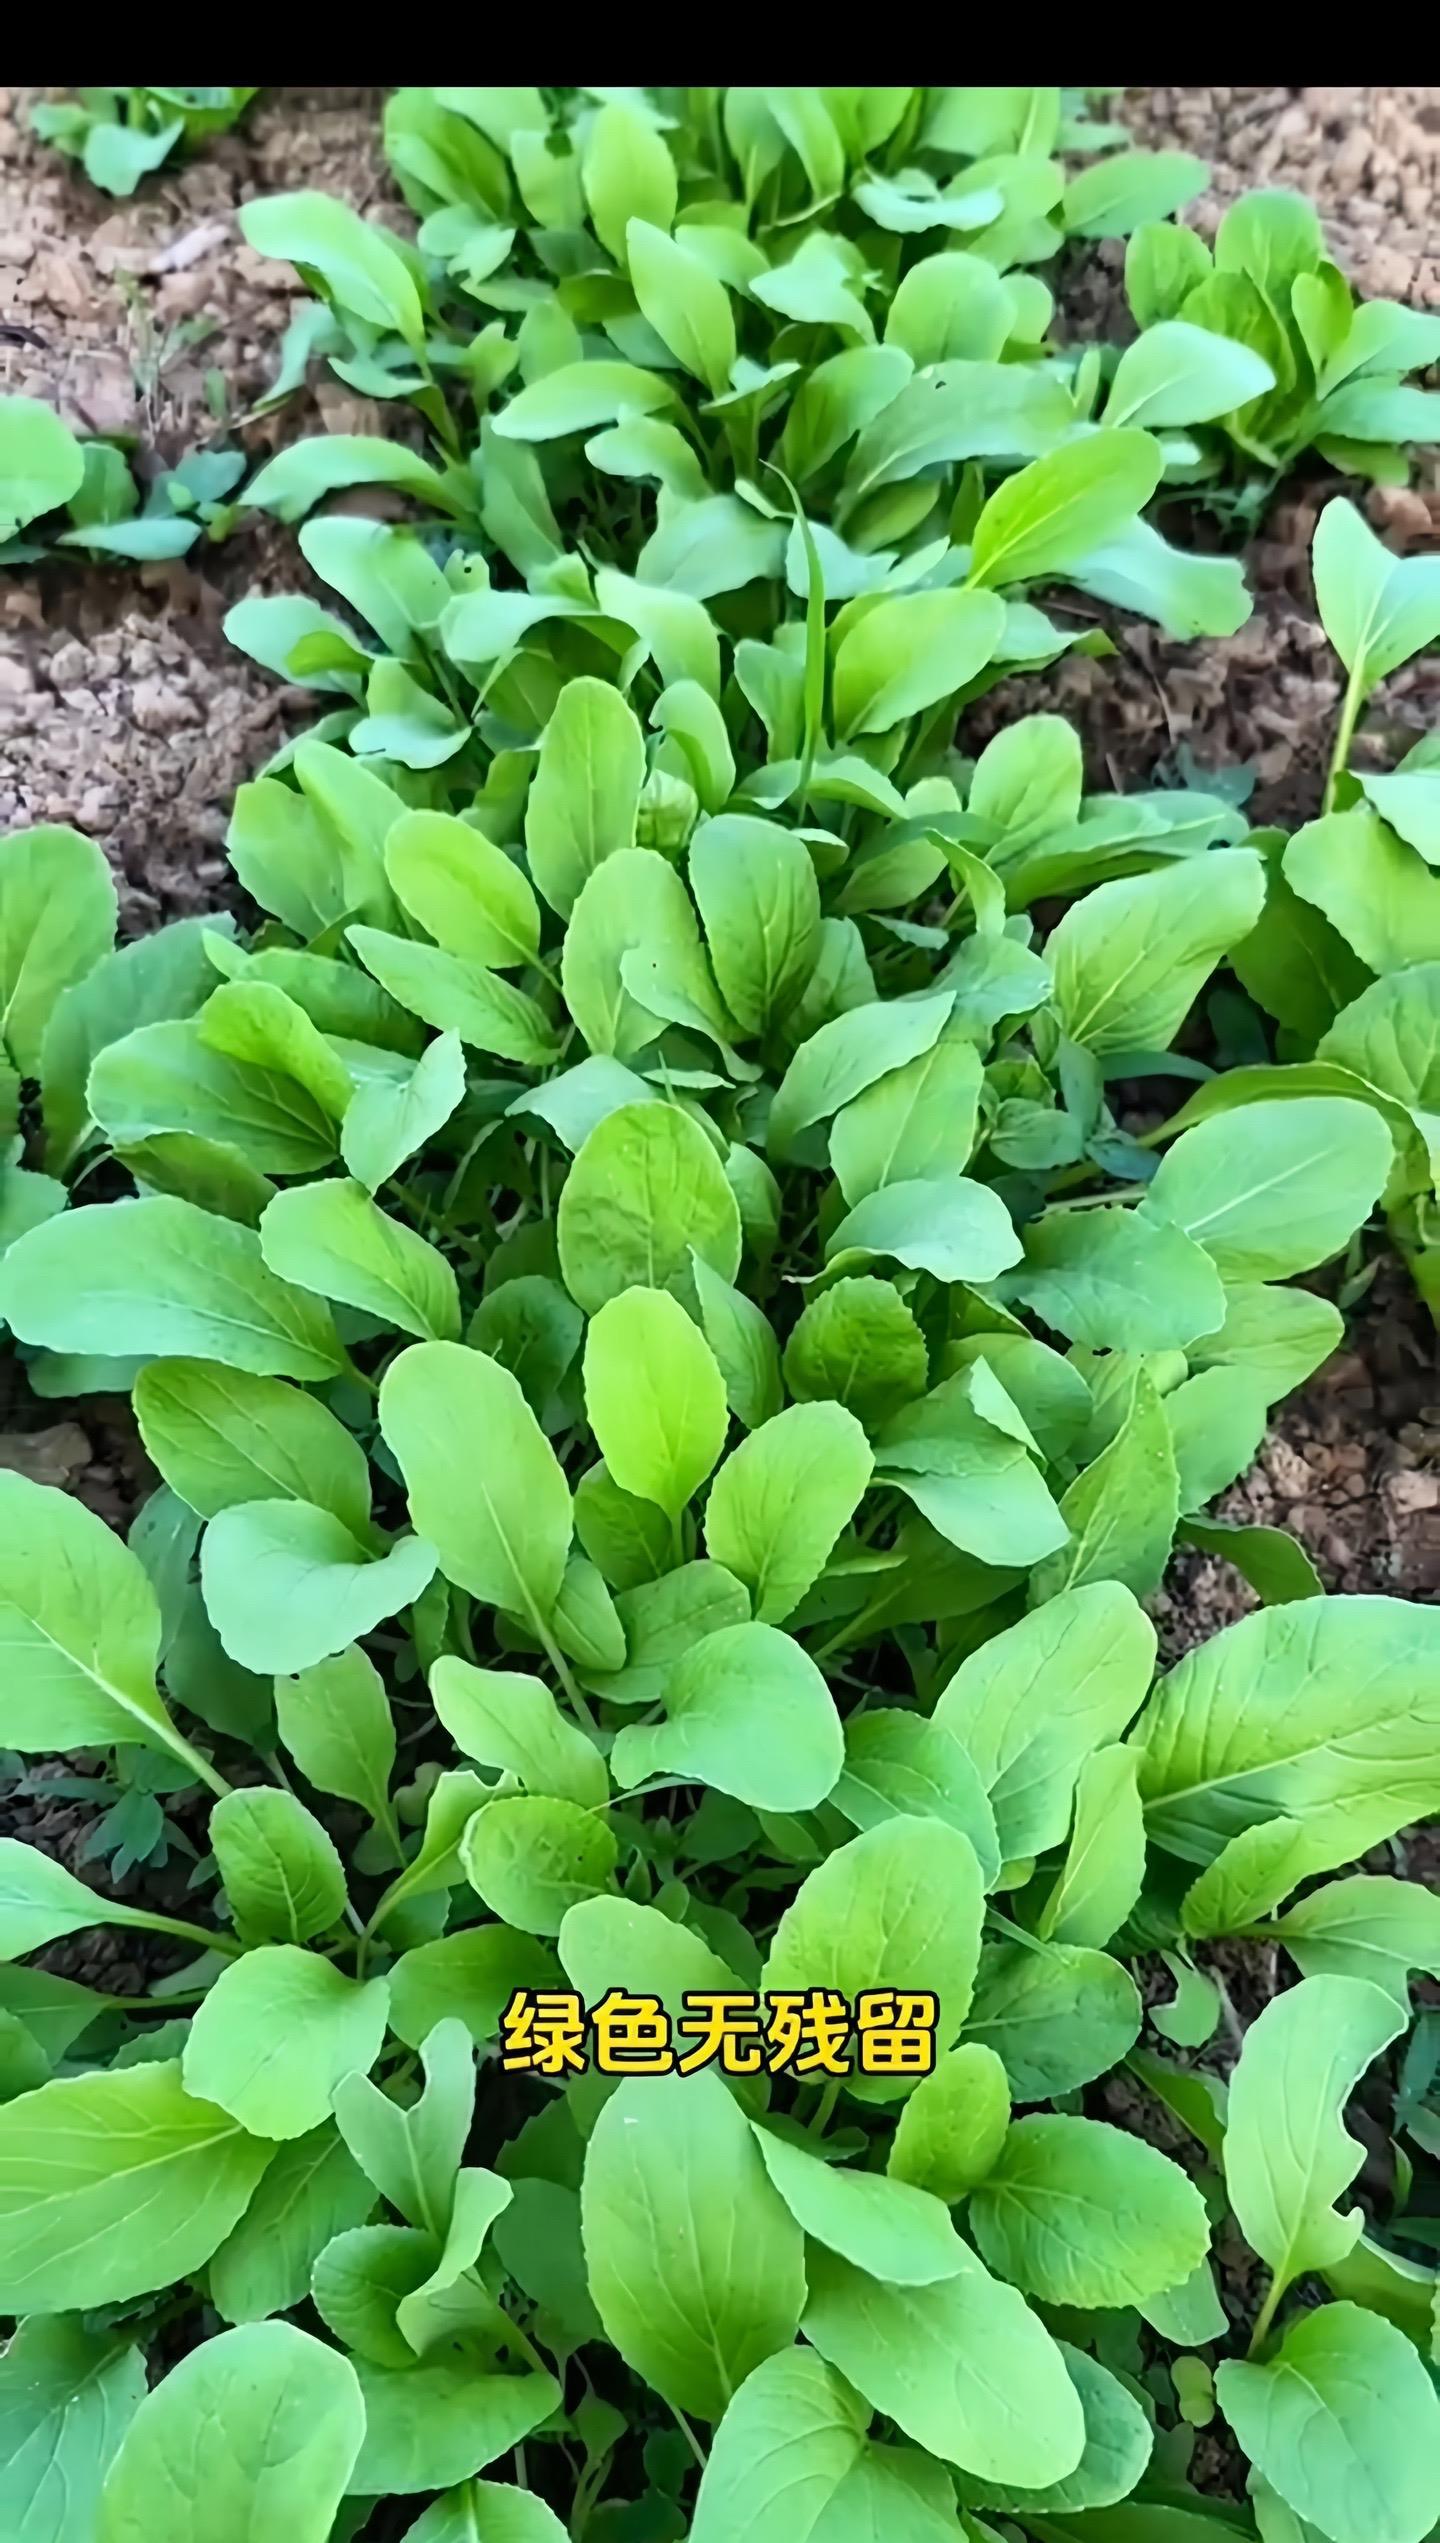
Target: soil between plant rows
[{"x": 123, "y": 710}]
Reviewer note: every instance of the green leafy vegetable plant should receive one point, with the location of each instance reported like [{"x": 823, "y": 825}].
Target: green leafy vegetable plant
[
  {"x": 670, "y": 1382},
  {"x": 1303, "y": 365},
  {"x": 61, "y": 493},
  {"x": 120, "y": 135}
]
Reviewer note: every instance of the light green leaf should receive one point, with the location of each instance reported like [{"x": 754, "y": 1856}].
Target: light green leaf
[
  {"x": 684, "y": 303},
  {"x": 1119, "y": 2438},
  {"x": 759, "y": 901},
  {"x": 286, "y": 1585},
  {"x": 1131, "y": 957},
  {"x": 899, "y": 1906},
  {"x": 1104, "y": 1868},
  {"x": 1116, "y": 194},
  {"x": 781, "y": 2455},
  {"x": 335, "y": 1720},
  {"x": 1176, "y": 373},
  {"x": 781, "y": 1499},
  {"x": 695, "y": 2263},
  {"x": 1056, "y": 2017},
  {"x": 114, "y": 2184},
  {"x": 1288, "y": 2154},
  {"x": 512, "y": 1722},
  {"x": 312, "y": 2190},
  {"x": 356, "y": 263},
  {"x": 507, "y": 1536},
  {"x": 1122, "y": 1509},
  {"x": 1318, "y": 1702},
  {"x": 946, "y": 1225},
  {"x": 1050, "y": 515},
  {"x": 585, "y": 793},
  {"x": 645, "y": 1187},
  {"x": 951, "y": 2129},
  {"x": 160, "y": 1276},
  {"x": 1032, "y": 1703},
  {"x": 466, "y": 893},
  {"x": 1367, "y": 1927},
  {"x": 747, "y": 1712},
  {"x": 332, "y": 1238},
  {"x": 857, "y": 1344},
  {"x": 283, "y": 2421},
  {"x": 963, "y": 2367},
  {"x": 221, "y": 1436},
  {"x": 57, "y": 920},
  {"x": 1273, "y": 1189},
  {"x": 655, "y": 1397},
  {"x": 888, "y": 2229},
  {"x": 1377, "y": 608},
  {"x": 275, "y": 2035},
  {"x": 458, "y": 996},
  {"x": 908, "y": 653},
  {"x": 1115, "y": 1280},
  {"x": 41, "y": 464},
  {"x": 1345, "y": 2423},
  {"x": 67, "y": 2396},
  {"x": 532, "y": 1857},
  {"x": 1079, "y": 2213},
  {"x": 278, "y": 1867}
]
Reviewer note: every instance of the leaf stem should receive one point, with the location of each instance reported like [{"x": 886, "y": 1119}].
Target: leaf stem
[
  {"x": 823, "y": 2112},
  {"x": 1266, "y": 2316},
  {"x": 200, "y": 1766},
  {"x": 144, "y": 1920},
  {"x": 1350, "y": 706},
  {"x": 565, "y": 1674}
]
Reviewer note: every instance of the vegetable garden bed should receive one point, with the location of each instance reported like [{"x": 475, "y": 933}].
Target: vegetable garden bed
[{"x": 718, "y": 1507}]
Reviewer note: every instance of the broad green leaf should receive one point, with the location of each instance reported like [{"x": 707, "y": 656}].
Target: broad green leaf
[
  {"x": 943, "y": 1224},
  {"x": 612, "y": 1942},
  {"x": 791, "y": 2436},
  {"x": 628, "y": 174},
  {"x": 1377, "y": 608},
  {"x": 916, "y": 1123},
  {"x": 760, "y": 904},
  {"x": 655, "y": 1397},
  {"x": 114, "y": 2184},
  {"x": 1032, "y": 1703},
  {"x": 169, "y": 1078},
  {"x": 1122, "y": 1509},
  {"x": 221, "y": 1436},
  {"x": 957, "y": 411},
  {"x": 1119, "y": 2438},
  {"x": 1079, "y": 2213},
  {"x": 332, "y": 1238},
  {"x": 1279, "y": 1337},
  {"x": 283, "y": 2420},
  {"x": 1056, "y": 2017},
  {"x": 531, "y": 1857},
  {"x": 633, "y": 959},
  {"x": 1345, "y": 2423},
  {"x": 67, "y": 2396},
  {"x": 747, "y": 1712},
  {"x": 533, "y": 1330},
  {"x": 1288, "y": 2154},
  {"x": 899, "y": 1765},
  {"x": 1116, "y": 1280},
  {"x": 1176, "y": 373},
  {"x": 885, "y": 2227},
  {"x": 1378, "y": 893},
  {"x": 684, "y": 303},
  {"x": 466, "y": 893},
  {"x": 276, "y": 2033},
  {"x": 387, "y": 1123},
  {"x": 506, "y": 1537},
  {"x": 899, "y": 1906},
  {"x": 695, "y": 2262},
  {"x": 503, "y": 1719},
  {"x": 846, "y": 1054},
  {"x": 585, "y": 793},
  {"x": 311, "y": 2190},
  {"x": 963, "y": 2367},
  {"x": 429, "y": 2426},
  {"x": 949, "y": 307},
  {"x": 1288, "y": 1712},
  {"x": 645, "y": 1187},
  {"x": 950, "y": 2131},
  {"x": 168, "y": 974},
  {"x": 160, "y": 1276},
  {"x": 456, "y": 995},
  {"x": 1367, "y": 1927},
  {"x": 1104, "y": 1868},
  {"x": 1273, "y": 1189},
  {"x": 1050, "y": 515},
  {"x": 41, "y": 463},
  {"x": 357, "y": 264},
  {"x": 743, "y": 1341},
  {"x": 857, "y": 1344},
  {"x": 335, "y": 1720},
  {"x": 278, "y": 1867},
  {"x": 286, "y": 1585},
  {"x": 1130, "y": 958},
  {"x": 1116, "y": 194},
  {"x": 57, "y": 920},
  {"x": 468, "y": 1976},
  {"x": 781, "y": 1500},
  {"x": 907, "y": 653},
  {"x": 297, "y": 477}
]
